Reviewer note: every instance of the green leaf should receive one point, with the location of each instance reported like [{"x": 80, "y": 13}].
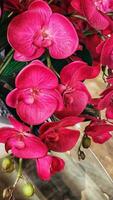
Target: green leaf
[
  {"x": 11, "y": 70},
  {"x": 4, "y": 21}
]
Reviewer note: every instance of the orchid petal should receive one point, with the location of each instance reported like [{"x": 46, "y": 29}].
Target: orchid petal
[
  {"x": 33, "y": 148},
  {"x": 6, "y": 133},
  {"x": 43, "y": 107},
  {"x": 11, "y": 99},
  {"x": 63, "y": 35},
  {"x": 36, "y": 74},
  {"x": 42, "y": 8},
  {"x": 17, "y": 125},
  {"x": 21, "y": 31}
]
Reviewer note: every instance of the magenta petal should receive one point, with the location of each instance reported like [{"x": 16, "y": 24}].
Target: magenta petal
[
  {"x": 71, "y": 69},
  {"x": 66, "y": 122},
  {"x": 11, "y": 99},
  {"x": 17, "y": 125},
  {"x": 14, "y": 142},
  {"x": 33, "y": 148},
  {"x": 107, "y": 53},
  {"x": 59, "y": 98},
  {"x": 21, "y": 31},
  {"x": 57, "y": 165},
  {"x": 80, "y": 100},
  {"x": 6, "y": 133},
  {"x": 76, "y": 4},
  {"x": 48, "y": 166},
  {"x": 109, "y": 112},
  {"x": 74, "y": 104},
  {"x": 36, "y": 75},
  {"x": 64, "y": 37},
  {"x": 70, "y": 121},
  {"x": 65, "y": 139},
  {"x": 20, "y": 57},
  {"x": 105, "y": 101},
  {"x": 79, "y": 71},
  {"x": 98, "y": 128},
  {"x": 42, "y": 8},
  {"x": 95, "y": 18},
  {"x": 43, "y": 168},
  {"x": 42, "y": 108},
  {"x": 102, "y": 138}
]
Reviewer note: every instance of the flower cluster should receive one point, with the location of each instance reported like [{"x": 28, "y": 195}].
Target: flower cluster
[{"x": 40, "y": 34}]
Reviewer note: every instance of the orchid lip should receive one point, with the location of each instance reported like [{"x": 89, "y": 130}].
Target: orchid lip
[{"x": 42, "y": 38}]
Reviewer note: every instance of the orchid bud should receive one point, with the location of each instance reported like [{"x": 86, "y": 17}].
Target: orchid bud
[
  {"x": 7, "y": 165},
  {"x": 86, "y": 142},
  {"x": 28, "y": 190}
]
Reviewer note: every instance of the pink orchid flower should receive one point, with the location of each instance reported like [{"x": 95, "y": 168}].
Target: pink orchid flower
[
  {"x": 99, "y": 131},
  {"x": 38, "y": 28},
  {"x": 74, "y": 92},
  {"x": 49, "y": 166},
  {"x": 104, "y": 6},
  {"x": 58, "y": 136},
  {"x": 21, "y": 142},
  {"x": 106, "y": 102},
  {"x": 89, "y": 9},
  {"x": 35, "y": 97},
  {"x": 106, "y": 49}
]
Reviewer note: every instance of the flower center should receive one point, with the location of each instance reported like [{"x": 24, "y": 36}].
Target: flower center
[
  {"x": 42, "y": 38},
  {"x": 67, "y": 97},
  {"x": 30, "y": 95}
]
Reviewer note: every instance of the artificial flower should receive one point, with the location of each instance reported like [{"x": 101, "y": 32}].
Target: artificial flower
[
  {"x": 21, "y": 142},
  {"x": 89, "y": 9},
  {"x": 49, "y": 166},
  {"x": 99, "y": 130},
  {"x": 58, "y": 136},
  {"x": 106, "y": 102},
  {"x": 38, "y": 28},
  {"x": 74, "y": 92},
  {"x": 35, "y": 97}
]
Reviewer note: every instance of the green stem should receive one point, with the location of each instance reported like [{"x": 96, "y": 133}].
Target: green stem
[
  {"x": 49, "y": 64},
  {"x": 19, "y": 174},
  {"x": 79, "y": 17},
  {"x": 6, "y": 61},
  {"x": 50, "y": 1}
]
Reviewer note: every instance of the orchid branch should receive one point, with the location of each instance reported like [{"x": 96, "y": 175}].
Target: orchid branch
[
  {"x": 79, "y": 17},
  {"x": 19, "y": 175},
  {"x": 49, "y": 64}
]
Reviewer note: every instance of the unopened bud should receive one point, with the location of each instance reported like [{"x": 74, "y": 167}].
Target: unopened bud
[
  {"x": 28, "y": 190},
  {"x": 7, "y": 165},
  {"x": 86, "y": 142}
]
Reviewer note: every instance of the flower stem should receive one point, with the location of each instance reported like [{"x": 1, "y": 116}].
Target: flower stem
[
  {"x": 6, "y": 61},
  {"x": 50, "y": 1},
  {"x": 19, "y": 174},
  {"x": 49, "y": 64},
  {"x": 79, "y": 17}
]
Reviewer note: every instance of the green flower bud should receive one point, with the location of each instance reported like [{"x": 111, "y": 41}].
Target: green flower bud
[
  {"x": 28, "y": 190},
  {"x": 7, "y": 165},
  {"x": 86, "y": 142}
]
